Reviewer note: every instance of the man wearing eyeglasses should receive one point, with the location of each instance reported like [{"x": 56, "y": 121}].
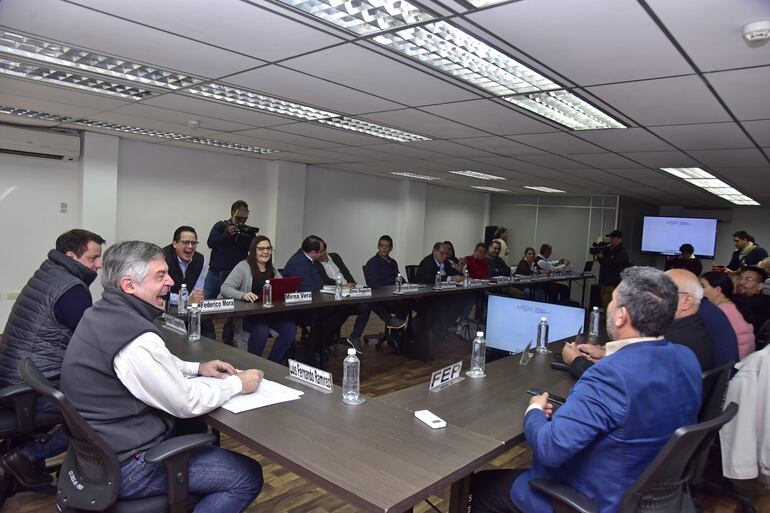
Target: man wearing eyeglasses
[
  {"x": 753, "y": 304},
  {"x": 185, "y": 265}
]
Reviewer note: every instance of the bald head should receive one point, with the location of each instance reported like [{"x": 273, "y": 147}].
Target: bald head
[{"x": 690, "y": 292}]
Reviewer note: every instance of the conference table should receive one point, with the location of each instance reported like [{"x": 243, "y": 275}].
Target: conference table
[{"x": 378, "y": 456}]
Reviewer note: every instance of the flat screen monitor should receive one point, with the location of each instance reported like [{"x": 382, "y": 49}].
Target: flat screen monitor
[
  {"x": 664, "y": 235},
  {"x": 512, "y": 323}
]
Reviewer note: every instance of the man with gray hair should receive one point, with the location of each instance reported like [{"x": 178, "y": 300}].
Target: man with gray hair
[
  {"x": 118, "y": 373},
  {"x": 619, "y": 414}
]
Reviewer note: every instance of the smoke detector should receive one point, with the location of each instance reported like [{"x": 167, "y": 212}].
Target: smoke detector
[
  {"x": 193, "y": 123},
  {"x": 757, "y": 32}
]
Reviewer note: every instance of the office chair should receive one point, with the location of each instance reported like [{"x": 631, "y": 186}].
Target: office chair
[
  {"x": 411, "y": 273},
  {"x": 19, "y": 421},
  {"x": 664, "y": 486},
  {"x": 393, "y": 335},
  {"x": 92, "y": 470}
]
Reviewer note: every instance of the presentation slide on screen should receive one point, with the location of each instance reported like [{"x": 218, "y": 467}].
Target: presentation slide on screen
[
  {"x": 665, "y": 235},
  {"x": 512, "y": 323}
]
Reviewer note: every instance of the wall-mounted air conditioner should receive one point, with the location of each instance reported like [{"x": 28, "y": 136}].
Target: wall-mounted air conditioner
[{"x": 50, "y": 144}]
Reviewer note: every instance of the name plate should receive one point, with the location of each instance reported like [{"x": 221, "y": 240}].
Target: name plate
[
  {"x": 217, "y": 305},
  {"x": 361, "y": 292},
  {"x": 446, "y": 285},
  {"x": 297, "y": 297},
  {"x": 445, "y": 377},
  {"x": 307, "y": 375},
  {"x": 174, "y": 324}
]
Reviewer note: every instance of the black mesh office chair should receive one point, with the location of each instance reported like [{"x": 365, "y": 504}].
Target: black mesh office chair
[
  {"x": 664, "y": 486},
  {"x": 393, "y": 335},
  {"x": 19, "y": 421},
  {"x": 411, "y": 273},
  {"x": 91, "y": 468}
]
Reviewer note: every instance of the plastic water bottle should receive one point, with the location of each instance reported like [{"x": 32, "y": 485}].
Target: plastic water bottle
[
  {"x": 267, "y": 295},
  {"x": 593, "y": 329},
  {"x": 437, "y": 284},
  {"x": 194, "y": 322},
  {"x": 338, "y": 288},
  {"x": 478, "y": 356},
  {"x": 513, "y": 272},
  {"x": 351, "y": 378},
  {"x": 399, "y": 283},
  {"x": 466, "y": 279},
  {"x": 181, "y": 306},
  {"x": 542, "y": 336}
]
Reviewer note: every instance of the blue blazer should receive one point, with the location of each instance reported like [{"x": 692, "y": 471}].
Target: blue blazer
[
  {"x": 300, "y": 265},
  {"x": 617, "y": 418}
]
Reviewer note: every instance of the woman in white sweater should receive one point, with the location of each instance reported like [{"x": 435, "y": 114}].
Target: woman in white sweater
[{"x": 245, "y": 282}]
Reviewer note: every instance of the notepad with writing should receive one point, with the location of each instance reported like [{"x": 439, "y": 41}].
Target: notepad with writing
[{"x": 269, "y": 392}]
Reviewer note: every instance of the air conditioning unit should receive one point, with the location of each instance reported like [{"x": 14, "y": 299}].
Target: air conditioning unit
[{"x": 49, "y": 144}]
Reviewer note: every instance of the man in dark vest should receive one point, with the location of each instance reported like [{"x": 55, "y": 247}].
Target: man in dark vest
[
  {"x": 185, "y": 265},
  {"x": 118, "y": 373},
  {"x": 40, "y": 325}
]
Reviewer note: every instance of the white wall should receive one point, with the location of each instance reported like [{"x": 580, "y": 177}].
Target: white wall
[
  {"x": 455, "y": 215},
  {"x": 31, "y": 192}
]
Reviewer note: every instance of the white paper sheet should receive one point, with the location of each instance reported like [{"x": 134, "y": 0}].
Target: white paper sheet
[{"x": 269, "y": 392}]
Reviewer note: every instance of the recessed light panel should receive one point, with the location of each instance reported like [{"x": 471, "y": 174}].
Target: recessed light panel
[
  {"x": 456, "y": 52},
  {"x": 148, "y": 132},
  {"x": 490, "y": 189},
  {"x": 542, "y": 189},
  {"x": 70, "y": 79},
  {"x": 415, "y": 176},
  {"x": 59, "y": 55},
  {"x": 13, "y": 111},
  {"x": 363, "y": 16},
  {"x": 230, "y": 146},
  {"x": 476, "y": 174},
  {"x": 485, "y": 3},
  {"x": 710, "y": 183},
  {"x": 368, "y": 128},
  {"x": 565, "y": 108}
]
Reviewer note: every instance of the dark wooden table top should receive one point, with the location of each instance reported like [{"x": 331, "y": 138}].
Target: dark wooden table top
[
  {"x": 377, "y": 456},
  {"x": 493, "y": 406}
]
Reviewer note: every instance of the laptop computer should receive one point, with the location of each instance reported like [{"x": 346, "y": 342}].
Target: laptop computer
[
  {"x": 588, "y": 267},
  {"x": 283, "y": 286}
]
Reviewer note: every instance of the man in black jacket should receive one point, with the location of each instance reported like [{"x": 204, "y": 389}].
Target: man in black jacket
[
  {"x": 612, "y": 261},
  {"x": 40, "y": 325}
]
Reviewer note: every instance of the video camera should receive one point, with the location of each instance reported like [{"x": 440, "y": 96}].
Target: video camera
[
  {"x": 598, "y": 247},
  {"x": 243, "y": 232}
]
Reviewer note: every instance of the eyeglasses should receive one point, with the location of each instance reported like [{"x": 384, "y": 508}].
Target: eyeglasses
[
  {"x": 749, "y": 279},
  {"x": 265, "y": 249},
  {"x": 188, "y": 242}
]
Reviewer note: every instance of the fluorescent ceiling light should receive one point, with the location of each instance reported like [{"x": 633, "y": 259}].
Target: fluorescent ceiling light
[
  {"x": 55, "y": 54},
  {"x": 415, "y": 175},
  {"x": 485, "y": 3},
  {"x": 33, "y": 114},
  {"x": 69, "y": 79},
  {"x": 542, "y": 189},
  {"x": 229, "y": 94},
  {"x": 363, "y": 16},
  {"x": 490, "y": 189},
  {"x": 476, "y": 174},
  {"x": 456, "y": 52},
  {"x": 565, "y": 108},
  {"x": 229, "y": 145},
  {"x": 366, "y": 127},
  {"x": 710, "y": 183}
]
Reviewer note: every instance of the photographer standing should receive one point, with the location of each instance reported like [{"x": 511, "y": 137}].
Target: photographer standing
[
  {"x": 612, "y": 260},
  {"x": 229, "y": 242}
]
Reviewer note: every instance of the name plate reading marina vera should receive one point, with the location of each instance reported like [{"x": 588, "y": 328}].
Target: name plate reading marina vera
[
  {"x": 217, "y": 305},
  {"x": 307, "y": 375},
  {"x": 361, "y": 292},
  {"x": 445, "y": 377},
  {"x": 174, "y": 324},
  {"x": 297, "y": 297}
]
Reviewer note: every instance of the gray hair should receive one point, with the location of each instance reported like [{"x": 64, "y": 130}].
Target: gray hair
[
  {"x": 650, "y": 297},
  {"x": 694, "y": 289},
  {"x": 128, "y": 258}
]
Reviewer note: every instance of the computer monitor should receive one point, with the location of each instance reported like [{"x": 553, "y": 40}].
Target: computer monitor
[{"x": 512, "y": 323}]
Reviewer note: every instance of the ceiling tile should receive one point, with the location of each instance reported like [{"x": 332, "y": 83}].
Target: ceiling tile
[
  {"x": 423, "y": 123},
  {"x": 603, "y": 160},
  {"x": 669, "y": 101},
  {"x": 589, "y": 41},
  {"x": 42, "y": 105},
  {"x": 499, "y": 145},
  {"x": 290, "y": 140},
  {"x": 216, "y": 110},
  {"x": 180, "y": 118},
  {"x": 551, "y": 161},
  {"x": 759, "y": 130},
  {"x": 403, "y": 150},
  {"x": 656, "y": 159},
  {"x": 339, "y": 136},
  {"x": 153, "y": 124},
  {"x": 627, "y": 139},
  {"x": 57, "y": 94},
  {"x": 448, "y": 148},
  {"x": 742, "y": 92},
  {"x": 733, "y": 158},
  {"x": 370, "y": 72},
  {"x": 704, "y": 137},
  {"x": 491, "y": 116},
  {"x": 558, "y": 142}
]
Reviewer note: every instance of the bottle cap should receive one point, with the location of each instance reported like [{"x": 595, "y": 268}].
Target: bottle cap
[
  {"x": 479, "y": 333},
  {"x": 351, "y": 351},
  {"x": 185, "y": 286},
  {"x": 543, "y": 319},
  {"x": 194, "y": 305},
  {"x": 267, "y": 281},
  {"x": 596, "y": 308}
]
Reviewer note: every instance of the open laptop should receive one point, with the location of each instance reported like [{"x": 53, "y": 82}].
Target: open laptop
[
  {"x": 588, "y": 267},
  {"x": 283, "y": 286}
]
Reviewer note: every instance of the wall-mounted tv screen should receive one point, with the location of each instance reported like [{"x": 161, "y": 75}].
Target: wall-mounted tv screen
[
  {"x": 512, "y": 323},
  {"x": 664, "y": 235}
]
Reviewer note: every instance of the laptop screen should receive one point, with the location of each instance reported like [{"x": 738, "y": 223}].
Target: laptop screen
[{"x": 512, "y": 323}]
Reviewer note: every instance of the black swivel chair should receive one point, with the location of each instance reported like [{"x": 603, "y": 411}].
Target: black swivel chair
[
  {"x": 411, "y": 273},
  {"x": 91, "y": 470},
  {"x": 19, "y": 421},
  {"x": 394, "y": 336},
  {"x": 664, "y": 485}
]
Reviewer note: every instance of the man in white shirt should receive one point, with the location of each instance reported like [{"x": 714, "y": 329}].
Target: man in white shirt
[
  {"x": 118, "y": 373},
  {"x": 555, "y": 292}
]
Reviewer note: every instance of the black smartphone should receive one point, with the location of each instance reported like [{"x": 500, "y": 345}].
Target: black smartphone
[{"x": 553, "y": 399}]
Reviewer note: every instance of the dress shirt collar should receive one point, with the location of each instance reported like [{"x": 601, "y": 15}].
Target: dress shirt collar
[
  {"x": 308, "y": 257},
  {"x": 615, "y": 345}
]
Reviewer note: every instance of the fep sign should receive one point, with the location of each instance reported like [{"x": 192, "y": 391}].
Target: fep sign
[{"x": 449, "y": 375}]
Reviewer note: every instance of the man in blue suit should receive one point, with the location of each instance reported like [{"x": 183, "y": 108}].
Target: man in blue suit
[
  {"x": 302, "y": 262},
  {"x": 619, "y": 414}
]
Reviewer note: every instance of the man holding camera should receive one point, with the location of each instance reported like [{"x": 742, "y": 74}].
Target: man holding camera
[
  {"x": 612, "y": 259},
  {"x": 229, "y": 242}
]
